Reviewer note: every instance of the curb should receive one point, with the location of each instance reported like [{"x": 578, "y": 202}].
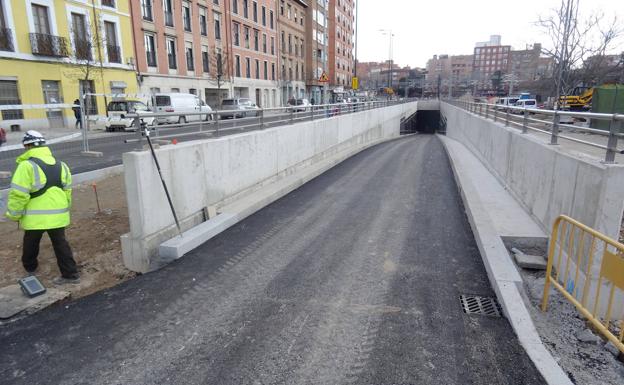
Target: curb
[
  {"x": 233, "y": 213},
  {"x": 504, "y": 277},
  {"x": 51, "y": 141}
]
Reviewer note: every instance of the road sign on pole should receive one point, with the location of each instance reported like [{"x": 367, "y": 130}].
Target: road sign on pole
[
  {"x": 355, "y": 84},
  {"x": 324, "y": 78}
]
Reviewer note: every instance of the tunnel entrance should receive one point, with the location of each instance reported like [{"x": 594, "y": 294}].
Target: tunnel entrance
[{"x": 424, "y": 122}]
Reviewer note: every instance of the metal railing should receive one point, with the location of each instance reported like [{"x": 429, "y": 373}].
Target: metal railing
[
  {"x": 217, "y": 122},
  {"x": 114, "y": 53},
  {"x": 48, "y": 45},
  {"x": 6, "y": 39},
  {"x": 550, "y": 122},
  {"x": 571, "y": 256}
]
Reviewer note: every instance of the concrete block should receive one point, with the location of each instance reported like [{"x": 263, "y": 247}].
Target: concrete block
[
  {"x": 13, "y": 301},
  {"x": 92, "y": 154},
  {"x": 532, "y": 262}
]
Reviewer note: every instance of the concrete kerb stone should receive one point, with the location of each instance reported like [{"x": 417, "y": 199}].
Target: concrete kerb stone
[
  {"x": 504, "y": 277},
  {"x": 240, "y": 209}
]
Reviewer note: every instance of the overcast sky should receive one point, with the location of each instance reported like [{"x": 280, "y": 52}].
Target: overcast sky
[{"x": 424, "y": 28}]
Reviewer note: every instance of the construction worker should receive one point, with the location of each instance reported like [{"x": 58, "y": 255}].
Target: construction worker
[{"x": 40, "y": 199}]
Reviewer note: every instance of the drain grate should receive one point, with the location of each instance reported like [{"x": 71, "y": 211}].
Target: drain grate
[{"x": 474, "y": 304}]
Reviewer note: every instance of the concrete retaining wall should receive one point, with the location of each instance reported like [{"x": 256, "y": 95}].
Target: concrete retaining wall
[
  {"x": 544, "y": 179},
  {"x": 218, "y": 171}
]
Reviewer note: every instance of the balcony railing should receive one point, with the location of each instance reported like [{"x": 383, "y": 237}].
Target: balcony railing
[
  {"x": 114, "y": 53},
  {"x": 48, "y": 45},
  {"x": 83, "y": 49},
  {"x": 6, "y": 40},
  {"x": 169, "y": 19},
  {"x": 151, "y": 58}
]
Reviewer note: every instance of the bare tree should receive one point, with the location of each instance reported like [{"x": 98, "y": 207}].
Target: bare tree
[{"x": 574, "y": 39}]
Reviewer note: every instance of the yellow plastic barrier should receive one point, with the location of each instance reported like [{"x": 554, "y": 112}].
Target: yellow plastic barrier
[{"x": 572, "y": 248}]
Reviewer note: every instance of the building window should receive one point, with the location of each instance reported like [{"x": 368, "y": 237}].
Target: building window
[
  {"x": 272, "y": 71},
  {"x": 112, "y": 46},
  {"x": 257, "y": 69},
  {"x": 193, "y": 91},
  {"x": 272, "y": 45},
  {"x": 190, "y": 63},
  {"x": 171, "y": 54},
  {"x": 215, "y": 2},
  {"x": 271, "y": 19},
  {"x": 266, "y": 70},
  {"x": 203, "y": 21},
  {"x": 9, "y": 95},
  {"x": 82, "y": 41},
  {"x": 246, "y": 9},
  {"x": 150, "y": 50},
  {"x": 217, "y": 24},
  {"x": 289, "y": 11},
  {"x": 264, "y": 15},
  {"x": 264, "y": 43},
  {"x": 238, "y": 66},
  {"x": 108, "y": 3},
  {"x": 255, "y": 11},
  {"x": 146, "y": 10},
  {"x": 302, "y": 48},
  {"x": 186, "y": 16},
  {"x": 248, "y": 67},
  {"x": 168, "y": 10},
  {"x": 256, "y": 39},
  {"x": 219, "y": 63},
  {"x": 235, "y": 6},
  {"x": 205, "y": 60},
  {"x": 235, "y": 33},
  {"x": 247, "y": 37}
]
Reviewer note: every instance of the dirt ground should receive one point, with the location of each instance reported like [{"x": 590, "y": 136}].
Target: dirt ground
[{"x": 93, "y": 236}]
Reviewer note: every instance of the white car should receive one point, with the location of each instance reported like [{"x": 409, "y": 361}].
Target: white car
[
  {"x": 117, "y": 111},
  {"x": 184, "y": 104},
  {"x": 300, "y": 105},
  {"x": 529, "y": 104}
]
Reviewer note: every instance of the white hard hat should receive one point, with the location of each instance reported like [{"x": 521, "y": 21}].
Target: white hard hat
[{"x": 33, "y": 137}]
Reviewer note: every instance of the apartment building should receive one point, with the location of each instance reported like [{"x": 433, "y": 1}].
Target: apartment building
[
  {"x": 317, "y": 51},
  {"x": 490, "y": 58},
  {"x": 52, "y": 49},
  {"x": 181, "y": 47},
  {"x": 341, "y": 45},
  {"x": 291, "y": 24},
  {"x": 253, "y": 51}
]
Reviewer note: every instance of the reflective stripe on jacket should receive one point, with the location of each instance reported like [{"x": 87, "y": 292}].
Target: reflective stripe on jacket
[{"x": 48, "y": 211}]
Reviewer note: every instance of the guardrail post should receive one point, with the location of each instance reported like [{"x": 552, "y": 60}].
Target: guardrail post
[
  {"x": 480, "y": 109},
  {"x": 525, "y": 121},
  {"x": 495, "y": 113},
  {"x": 554, "y": 137},
  {"x": 261, "y": 118},
  {"x": 139, "y": 132},
  {"x": 217, "y": 119},
  {"x": 292, "y": 113},
  {"x": 507, "y": 117},
  {"x": 312, "y": 113},
  {"x": 614, "y": 126},
  {"x": 487, "y": 110}
]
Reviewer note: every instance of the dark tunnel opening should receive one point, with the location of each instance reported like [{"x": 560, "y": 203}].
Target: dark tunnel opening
[{"x": 424, "y": 122}]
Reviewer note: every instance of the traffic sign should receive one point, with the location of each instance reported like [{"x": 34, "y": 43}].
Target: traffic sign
[
  {"x": 324, "y": 78},
  {"x": 355, "y": 84}
]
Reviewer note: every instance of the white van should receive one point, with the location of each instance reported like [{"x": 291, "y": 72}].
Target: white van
[
  {"x": 182, "y": 103},
  {"x": 529, "y": 104}
]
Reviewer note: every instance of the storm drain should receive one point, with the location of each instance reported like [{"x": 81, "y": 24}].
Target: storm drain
[{"x": 487, "y": 306}]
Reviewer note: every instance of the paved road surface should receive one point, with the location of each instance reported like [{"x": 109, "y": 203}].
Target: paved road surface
[{"x": 352, "y": 279}]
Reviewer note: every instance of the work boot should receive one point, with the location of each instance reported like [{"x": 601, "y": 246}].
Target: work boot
[{"x": 63, "y": 281}]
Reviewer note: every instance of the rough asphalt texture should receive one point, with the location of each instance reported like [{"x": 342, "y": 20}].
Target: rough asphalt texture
[{"x": 353, "y": 278}]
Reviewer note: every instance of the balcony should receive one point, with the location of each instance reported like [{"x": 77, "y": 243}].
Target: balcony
[
  {"x": 83, "y": 49},
  {"x": 48, "y": 45},
  {"x": 6, "y": 40},
  {"x": 114, "y": 53}
]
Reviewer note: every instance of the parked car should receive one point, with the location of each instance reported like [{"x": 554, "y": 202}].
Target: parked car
[
  {"x": 300, "y": 105},
  {"x": 529, "y": 104},
  {"x": 117, "y": 111},
  {"x": 184, "y": 104},
  {"x": 506, "y": 102},
  {"x": 239, "y": 107}
]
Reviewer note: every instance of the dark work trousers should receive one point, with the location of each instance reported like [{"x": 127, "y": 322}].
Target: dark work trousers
[{"x": 64, "y": 256}]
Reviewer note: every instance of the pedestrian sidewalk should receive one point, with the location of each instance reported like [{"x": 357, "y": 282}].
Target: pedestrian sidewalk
[{"x": 14, "y": 139}]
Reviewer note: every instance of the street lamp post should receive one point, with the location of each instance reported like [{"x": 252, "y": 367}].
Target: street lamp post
[{"x": 390, "y": 66}]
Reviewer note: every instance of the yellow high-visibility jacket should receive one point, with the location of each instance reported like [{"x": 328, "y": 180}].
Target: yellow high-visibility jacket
[{"x": 47, "y": 211}]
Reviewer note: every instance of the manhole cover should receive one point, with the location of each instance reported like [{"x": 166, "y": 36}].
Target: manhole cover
[{"x": 474, "y": 304}]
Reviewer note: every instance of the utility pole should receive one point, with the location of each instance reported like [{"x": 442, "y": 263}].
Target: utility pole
[{"x": 390, "y": 67}]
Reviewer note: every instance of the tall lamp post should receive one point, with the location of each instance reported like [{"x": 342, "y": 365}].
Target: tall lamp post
[{"x": 390, "y": 66}]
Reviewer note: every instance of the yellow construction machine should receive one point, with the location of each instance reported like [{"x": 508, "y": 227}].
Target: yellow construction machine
[{"x": 580, "y": 99}]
